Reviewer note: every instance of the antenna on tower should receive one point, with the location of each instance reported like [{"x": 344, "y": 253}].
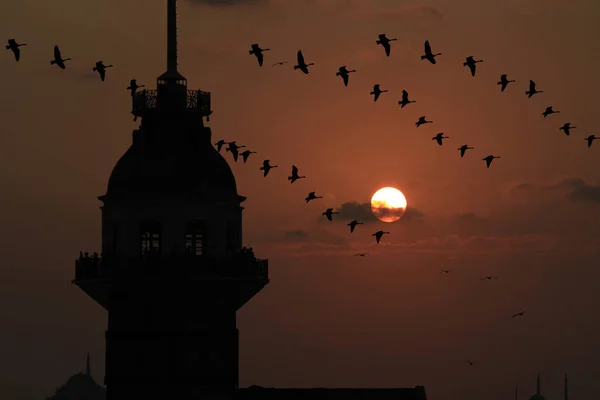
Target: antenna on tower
[{"x": 171, "y": 35}]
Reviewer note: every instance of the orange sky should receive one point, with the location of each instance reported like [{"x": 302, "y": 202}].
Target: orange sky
[{"x": 327, "y": 318}]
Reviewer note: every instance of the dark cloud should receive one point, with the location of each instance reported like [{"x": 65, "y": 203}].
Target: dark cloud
[
  {"x": 296, "y": 234},
  {"x": 229, "y": 3},
  {"x": 573, "y": 189},
  {"x": 362, "y": 212}
]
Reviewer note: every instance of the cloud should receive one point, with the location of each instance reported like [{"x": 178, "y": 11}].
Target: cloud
[
  {"x": 572, "y": 189},
  {"x": 298, "y": 234},
  {"x": 354, "y": 210}
]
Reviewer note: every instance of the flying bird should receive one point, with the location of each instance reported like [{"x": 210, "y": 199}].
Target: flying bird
[
  {"x": 220, "y": 144},
  {"x": 377, "y": 92},
  {"x": 422, "y": 121},
  {"x": 101, "y": 69},
  {"x": 280, "y": 63},
  {"x": 489, "y": 278},
  {"x": 532, "y": 90},
  {"x": 343, "y": 72},
  {"x": 267, "y": 167},
  {"x": 295, "y": 175},
  {"x": 234, "y": 149},
  {"x": 428, "y": 54},
  {"x": 445, "y": 271},
  {"x": 471, "y": 362},
  {"x": 329, "y": 213},
  {"x": 353, "y": 224},
  {"x": 567, "y": 128},
  {"x": 519, "y": 314},
  {"x": 58, "y": 60},
  {"x": 463, "y": 149},
  {"x": 471, "y": 63},
  {"x": 378, "y": 235},
  {"x": 302, "y": 66},
  {"x": 438, "y": 138},
  {"x": 133, "y": 87},
  {"x": 488, "y": 160},
  {"x": 385, "y": 42},
  {"x": 549, "y": 111},
  {"x": 504, "y": 82},
  {"x": 590, "y": 139},
  {"x": 246, "y": 154},
  {"x": 257, "y": 51},
  {"x": 312, "y": 196},
  {"x": 14, "y": 46},
  {"x": 360, "y": 255},
  {"x": 405, "y": 99}
]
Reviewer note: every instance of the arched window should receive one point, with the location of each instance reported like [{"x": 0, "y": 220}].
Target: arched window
[
  {"x": 195, "y": 237},
  {"x": 149, "y": 237}
]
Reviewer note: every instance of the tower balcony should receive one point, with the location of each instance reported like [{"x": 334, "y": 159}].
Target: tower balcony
[
  {"x": 148, "y": 100},
  {"x": 241, "y": 265}
]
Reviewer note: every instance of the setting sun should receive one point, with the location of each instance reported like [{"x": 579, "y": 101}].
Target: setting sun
[{"x": 388, "y": 204}]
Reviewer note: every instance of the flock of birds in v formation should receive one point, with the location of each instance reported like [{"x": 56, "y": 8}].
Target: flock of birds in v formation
[{"x": 344, "y": 73}]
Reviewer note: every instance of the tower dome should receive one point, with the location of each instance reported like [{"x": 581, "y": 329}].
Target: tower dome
[{"x": 181, "y": 165}]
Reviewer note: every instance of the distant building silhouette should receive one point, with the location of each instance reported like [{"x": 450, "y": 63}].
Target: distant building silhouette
[
  {"x": 80, "y": 386},
  {"x": 173, "y": 273},
  {"x": 538, "y": 393}
]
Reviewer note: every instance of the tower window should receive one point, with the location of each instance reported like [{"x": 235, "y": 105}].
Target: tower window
[
  {"x": 150, "y": 237},
  {"x": 195, "y": 237}
]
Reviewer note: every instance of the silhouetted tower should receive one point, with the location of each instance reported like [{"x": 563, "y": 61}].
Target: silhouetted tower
[
  {"x": 538, "y": 394},
  {"x": 173, "y": 272},
  {"x": 88, "y": 366},
  {"x": 566, "y": 388}
]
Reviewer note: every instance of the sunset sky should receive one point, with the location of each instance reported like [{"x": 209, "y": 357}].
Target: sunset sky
[{"x": 327, "y": 318}]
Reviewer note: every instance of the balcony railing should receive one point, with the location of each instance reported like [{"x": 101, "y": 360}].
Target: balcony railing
[
  {"x": 239, "y": 265},
  {"x": 148, "y": 100}
]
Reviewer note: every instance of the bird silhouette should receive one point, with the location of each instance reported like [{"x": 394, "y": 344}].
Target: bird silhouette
[
  {"x": 532, "y": 90},
  {"x": 378, "y": 235},
  {"x": 385, "y": 42},
  {"x": 405, "y": 99},
  {"x": 329, "y": 213},
  {"x": 343, "y": 72},
  {"x": 246, "y": 154},
  {"x": 302, "y": 66},
  {"x": 471, "y": 362},
  {"x": 295, "y": 175},
  {"x": 567, "y": 128},
  {"x": 312, "y": 196},
  {"x": 489, "y": 278},
  {"x": 463, "y": 149},
  {"x": 267, "y": 167},
  {"x": 471, "y": 63},
  {"x": 377, "y": 92},
  {"x": 220, "y": 144},
  {"x": 590, "y": 139},
  {"x": 445, "y": 271},
  {"x": 58, "y": 60},
  {"x": 438, "y": 138},
  {"x": 280, "y": 63},
  {"x": 14, "y": 46},
  {"x": 101, "y": 69},
  {"x": 549, "y": 111},
  {"x": 428, "y": 54},
  {"x": 233, "y": 148},
  {"x": 353, "y": 224},
  {"x": 257, "y": 51},
  {"x": 422, "y": 121},
  {"x": 360, "y": 254},
  {"x": 504, "y": 82},
  {"x": 133, "y": 86},
  {"x": 488, "y": 160},
  {"x": 519, "y": 314}
]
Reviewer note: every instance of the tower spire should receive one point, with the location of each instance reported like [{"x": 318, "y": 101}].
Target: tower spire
[
  {"x": 88, "y": 366},
  {"x": 517, "y": 392},
  {"x": 566, "y": 388},
  {"x": 171, "y": 35},
  {"x": 538, "y": 385}
]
